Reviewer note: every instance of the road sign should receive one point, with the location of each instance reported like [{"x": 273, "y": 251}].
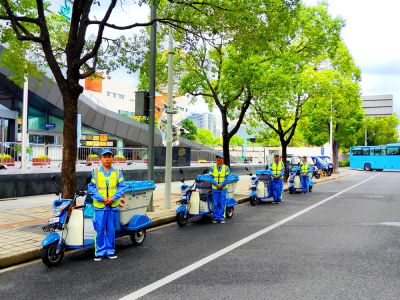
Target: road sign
[{"x": 49, "y": 126}]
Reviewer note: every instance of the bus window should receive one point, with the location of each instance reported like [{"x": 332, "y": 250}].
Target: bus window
[
  {"x": 377, "y": 151},
  {"x": 365, "y": 151},
  {"x": 393, "y": 151},
  {"x": 356, "y": 151}
]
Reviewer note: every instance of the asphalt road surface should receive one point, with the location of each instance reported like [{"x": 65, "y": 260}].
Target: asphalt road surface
[{"x": 339, "y": 242}]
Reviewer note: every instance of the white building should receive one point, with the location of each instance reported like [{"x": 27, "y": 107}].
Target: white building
[{"x": 112, "y": 94}]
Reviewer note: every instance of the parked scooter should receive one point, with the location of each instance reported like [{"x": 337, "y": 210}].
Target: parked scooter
[
  {"x": 295, "y": 181},
  {"x": 72, "y": 226},
  {"x": 260, "y": 187},
  {"x": 196, "y": 200}
]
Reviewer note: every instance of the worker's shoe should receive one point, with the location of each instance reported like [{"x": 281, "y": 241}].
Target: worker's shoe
[
  {"x": 222, "y": 221},
  {"x": 98, "y": 258},
  {"x": 112, "y": 256},
  {"x": 215, "y": 221}
]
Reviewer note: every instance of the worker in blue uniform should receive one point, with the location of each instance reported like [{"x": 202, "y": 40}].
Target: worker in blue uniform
[
  {"x": 304, "y": 171},
  {"x": 219, "y": 171},
  {"x": 278, "y": 170},
  {"x": 106, "y": 187}
]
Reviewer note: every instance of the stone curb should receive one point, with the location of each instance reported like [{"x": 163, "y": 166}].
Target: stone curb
[{"x": 34, "y": 254}]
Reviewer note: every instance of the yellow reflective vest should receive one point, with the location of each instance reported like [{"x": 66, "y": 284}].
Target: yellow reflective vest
[
  {"x": 304, "y": 168},
  {"x": 219, "y": 176},
  {"x": 106, "y": 184},
  {"x": 276, "y": 168}
]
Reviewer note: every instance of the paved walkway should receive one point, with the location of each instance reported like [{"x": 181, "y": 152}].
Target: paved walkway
[{"x": 21, "y": 220}]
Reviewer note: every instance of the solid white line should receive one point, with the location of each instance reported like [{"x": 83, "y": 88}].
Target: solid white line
[{"x": 159, "y": 283}]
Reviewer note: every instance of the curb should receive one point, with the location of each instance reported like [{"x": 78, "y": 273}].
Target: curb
[{"x": 10, "y": 261}]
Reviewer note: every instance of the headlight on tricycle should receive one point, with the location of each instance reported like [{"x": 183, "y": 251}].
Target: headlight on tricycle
[{"x": 57, "y": 212}]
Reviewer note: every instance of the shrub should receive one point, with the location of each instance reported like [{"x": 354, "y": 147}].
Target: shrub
[
  {"x": 119, "y": 156},
  {"x": 5, "y": 156},
  {"x": 18, "y": 148},
  {"x": 43, "y": 156},
  {"x": 91, "y": 156},
  {"x": 344, "y": 163}
]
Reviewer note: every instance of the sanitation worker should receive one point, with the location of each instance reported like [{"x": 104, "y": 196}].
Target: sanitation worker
[
  {"x": 219, "y": 171},
  {"x": 107, "y": 187},
  {"x": 304, "y": 175},
  {"x": 278, "y": 170}
]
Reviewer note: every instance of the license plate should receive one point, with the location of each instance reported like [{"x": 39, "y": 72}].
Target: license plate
[{"x": 54, "y": 220}]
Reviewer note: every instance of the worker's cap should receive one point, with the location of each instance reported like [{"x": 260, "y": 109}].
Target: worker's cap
[
  {"x": 105, "y": 151},
  {"x": 219, "y": 155},
  {"x": 304, "y": 156}
]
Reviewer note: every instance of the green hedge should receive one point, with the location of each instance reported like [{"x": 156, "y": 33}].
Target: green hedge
[{"x": 344, "y": 163}]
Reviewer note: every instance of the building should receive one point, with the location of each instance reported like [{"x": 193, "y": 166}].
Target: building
[
  {"x": 204, "y": 120},
  {"x": 112, "y": 94},
  {"x": 378, "y": 105}
]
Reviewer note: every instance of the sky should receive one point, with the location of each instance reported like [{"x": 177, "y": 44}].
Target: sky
[{"x": 370, "y": 34}]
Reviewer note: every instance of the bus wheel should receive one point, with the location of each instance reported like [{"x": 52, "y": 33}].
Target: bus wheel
[{"x": 367, "y": 167}]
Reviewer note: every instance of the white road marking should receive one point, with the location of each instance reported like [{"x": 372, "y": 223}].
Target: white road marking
[{"x": 159, "y": 283}]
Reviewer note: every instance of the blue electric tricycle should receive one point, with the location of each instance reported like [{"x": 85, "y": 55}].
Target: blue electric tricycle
[
  {"x": 260, "y": 187},
  {"x": 196, "y": 200},
  {"x": 295, "y": 181},
  {"x": 72, "y": 225}
]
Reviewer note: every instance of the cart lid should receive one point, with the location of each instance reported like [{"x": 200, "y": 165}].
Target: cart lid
[
  {"x": 205, "y": 177},
  {"x": 232, "y": 177},
  {"x": 263, "y": 172},
  {"x": 132, "y": 186}
]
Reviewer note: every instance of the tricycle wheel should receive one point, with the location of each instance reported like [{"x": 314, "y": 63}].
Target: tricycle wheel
[
  {"x": 317, "y": 176},
  {"x": 138, "y": 237},
  {"x": 51, "y": 256},
  {"x": 330, "y": 171},
  {"x": 253, "y": 201},
  {"x": 229, "y": 212},
  {"x": 291, "y": 191},
  {"x": 182, "y": 219}
]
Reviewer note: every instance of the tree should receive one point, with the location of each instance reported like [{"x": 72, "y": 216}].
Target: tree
[
  {"x": 191, "y": 128},
  {"x": 219, "y": 60},
  {"x": 236, "y": 140},
  {"x": 72, "y": 54},
  {"x": 380, "y": 131},
  {"x": 205, "y": 136},
  {"x": 341, "y": 99},
  {"x": 294, "y": 75}
]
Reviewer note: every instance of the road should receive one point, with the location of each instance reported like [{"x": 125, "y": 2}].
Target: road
[{"x": 340, "y": 242}]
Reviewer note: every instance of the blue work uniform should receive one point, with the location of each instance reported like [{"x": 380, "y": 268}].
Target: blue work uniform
[
  {"x": 304, "y": 179},
  {"x": 219, "y": 174},
  {"x": 277, "y": 169},
  {"x": 106, "y": 218}
]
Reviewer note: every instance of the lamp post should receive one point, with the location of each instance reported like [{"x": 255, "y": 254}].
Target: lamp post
[
  {"x": 170, "y": 111},
  {"x": 152, "y": 92},
  {"x": 25, "y": 137}
]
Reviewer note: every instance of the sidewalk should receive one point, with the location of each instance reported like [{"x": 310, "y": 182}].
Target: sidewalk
[{"x": 21, "y": 220}]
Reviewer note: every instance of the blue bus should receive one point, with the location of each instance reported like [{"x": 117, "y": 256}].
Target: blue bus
[{"x": 375, "y": 157}]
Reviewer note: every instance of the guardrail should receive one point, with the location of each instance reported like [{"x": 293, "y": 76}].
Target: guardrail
[{"x": 54, "y": 153}]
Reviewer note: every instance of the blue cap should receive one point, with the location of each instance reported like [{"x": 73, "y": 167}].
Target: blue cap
[
  {"x": 105, "y": 151},
  {"x": 219, "y": 155}
]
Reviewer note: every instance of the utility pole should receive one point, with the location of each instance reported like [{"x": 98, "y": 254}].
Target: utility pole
[
  {"x": 331, "y": 133},
  {"x": 152, "y": 92},
  {"x": 25, "y": 138},
  {"x": 170, "y": 112}
]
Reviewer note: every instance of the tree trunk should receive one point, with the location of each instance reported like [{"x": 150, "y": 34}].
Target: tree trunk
[
  {"x": 335, "y": 155},
  {"x": 225, "y": 149},
  {"x": 68, "y": 175},
  {"x": 284, "y": 157}
]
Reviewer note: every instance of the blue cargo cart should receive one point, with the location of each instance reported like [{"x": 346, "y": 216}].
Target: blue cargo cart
[
  {"x": 72, "y": 226},
  {"x": 196, "y": 200}
]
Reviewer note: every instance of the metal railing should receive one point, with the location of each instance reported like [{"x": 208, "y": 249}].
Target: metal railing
[{"x": 54, "y": 152}]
